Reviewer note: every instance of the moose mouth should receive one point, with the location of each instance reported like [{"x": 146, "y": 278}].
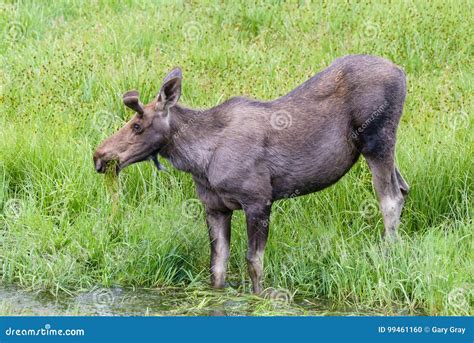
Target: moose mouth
[
  {"x": 153, "y": 156},
  {"x": 114, "y": 165}
]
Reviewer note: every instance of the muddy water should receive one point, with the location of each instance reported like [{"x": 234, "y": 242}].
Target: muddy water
[{"x": 117, "y": 301}]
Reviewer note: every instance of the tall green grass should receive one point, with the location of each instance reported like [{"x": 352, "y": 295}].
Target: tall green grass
[{"x": 65, "y": 64}]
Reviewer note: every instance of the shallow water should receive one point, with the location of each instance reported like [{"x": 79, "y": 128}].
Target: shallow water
[{"x": 117, "y": 301}]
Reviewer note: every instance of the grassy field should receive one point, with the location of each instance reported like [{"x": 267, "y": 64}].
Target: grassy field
[{"x": 64, "y": 66}]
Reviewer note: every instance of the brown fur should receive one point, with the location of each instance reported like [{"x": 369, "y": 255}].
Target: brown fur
[{"x": 246, "y": 154}]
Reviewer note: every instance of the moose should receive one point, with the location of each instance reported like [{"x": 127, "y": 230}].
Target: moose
[{"x": 246, "y": 154}]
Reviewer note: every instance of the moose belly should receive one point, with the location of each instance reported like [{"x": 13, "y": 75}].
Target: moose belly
[{"x": 312, "y": 172}]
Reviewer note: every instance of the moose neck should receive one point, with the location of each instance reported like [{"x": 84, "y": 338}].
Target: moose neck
[{"x": 193, "y": 136}]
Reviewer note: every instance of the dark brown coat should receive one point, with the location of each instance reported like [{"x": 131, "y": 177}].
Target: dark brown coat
[{"x": 246, "y": 154}]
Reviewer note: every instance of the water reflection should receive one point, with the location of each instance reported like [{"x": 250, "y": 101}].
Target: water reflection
[{"x": 118, "y": 301}]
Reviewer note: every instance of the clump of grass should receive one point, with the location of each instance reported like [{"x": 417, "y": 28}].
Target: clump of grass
[{"x": 112, "y": 184}]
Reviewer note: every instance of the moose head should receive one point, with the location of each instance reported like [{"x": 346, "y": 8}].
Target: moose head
[{"x": 146, "y": 133}]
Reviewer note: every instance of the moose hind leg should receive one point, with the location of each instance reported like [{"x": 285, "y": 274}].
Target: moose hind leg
[{"x": 389, "y": 193}]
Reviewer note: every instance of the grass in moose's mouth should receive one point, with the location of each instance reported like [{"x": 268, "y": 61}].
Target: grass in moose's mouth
[
  {"x": 63, "y": 68},
  {"x": 112, "y": 183}
]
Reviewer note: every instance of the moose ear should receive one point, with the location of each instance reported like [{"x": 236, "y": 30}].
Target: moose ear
[
  {"x": 131, "y": 100},
  {"x": 170, "y": 90}
]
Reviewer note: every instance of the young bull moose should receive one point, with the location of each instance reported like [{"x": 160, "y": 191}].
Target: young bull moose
[{"x": 246, "y": 154}]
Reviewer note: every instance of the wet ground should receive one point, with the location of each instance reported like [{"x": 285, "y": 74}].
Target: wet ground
[{"x": 118, "y": 301}]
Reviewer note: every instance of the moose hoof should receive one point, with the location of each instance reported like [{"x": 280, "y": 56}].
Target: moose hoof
[
  {"x": 218, "y": 284},
  {"x": 257, "y": 290}
]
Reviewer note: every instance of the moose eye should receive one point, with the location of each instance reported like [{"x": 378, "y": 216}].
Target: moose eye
[{"x": 137, "y": 128}]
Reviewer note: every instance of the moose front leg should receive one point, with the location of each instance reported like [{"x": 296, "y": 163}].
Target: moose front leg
[
  {"x": 258, "y": 220},
  {"x": 218, "y": 223}
]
